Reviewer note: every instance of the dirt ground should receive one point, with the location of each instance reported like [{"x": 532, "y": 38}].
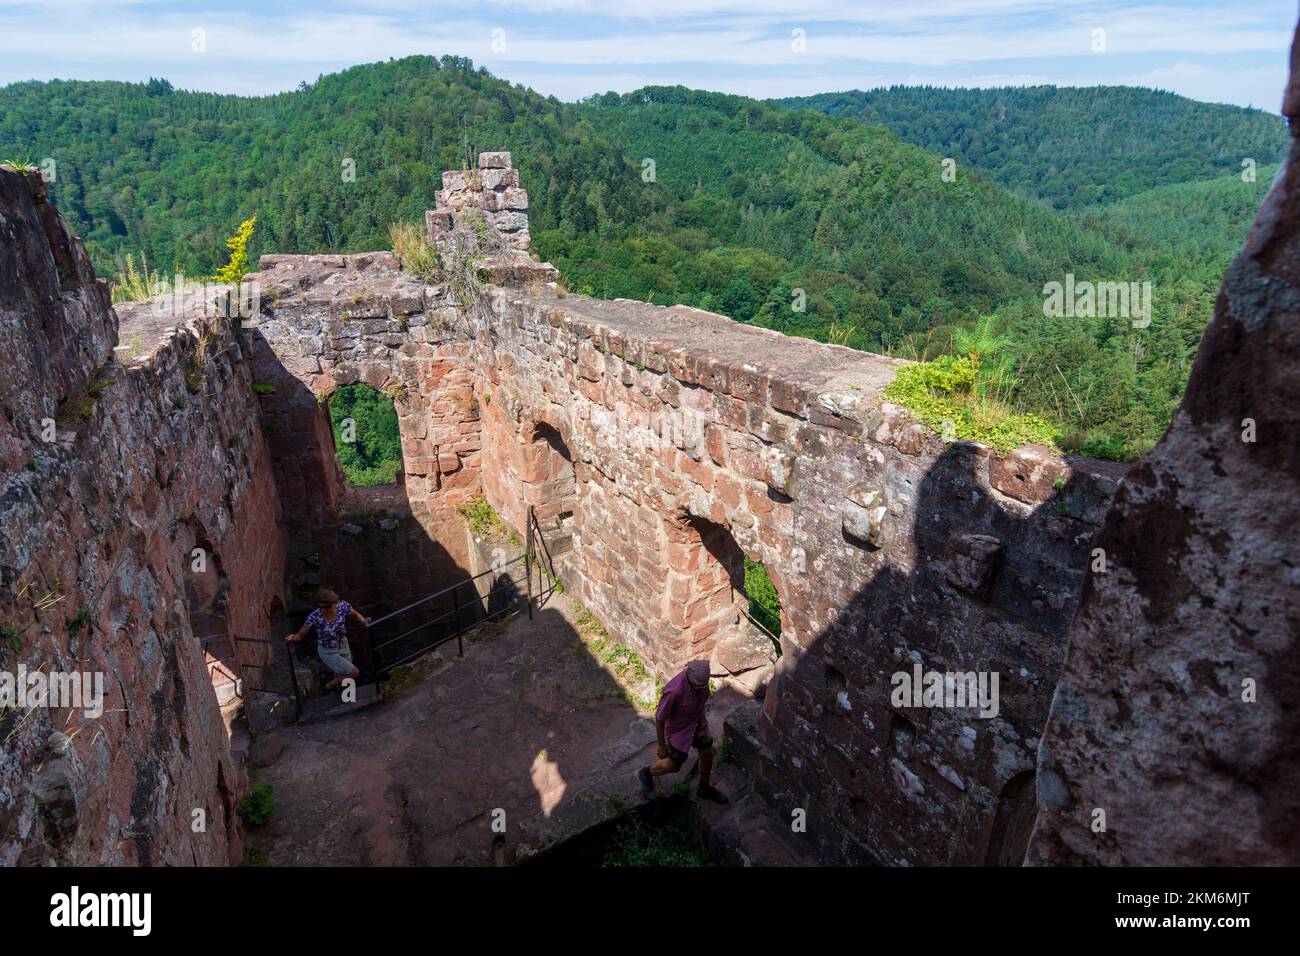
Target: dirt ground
[{"x": 529, "y": 728}]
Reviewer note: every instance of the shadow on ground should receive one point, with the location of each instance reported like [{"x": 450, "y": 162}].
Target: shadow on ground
[{"x": 529, "y": 723}]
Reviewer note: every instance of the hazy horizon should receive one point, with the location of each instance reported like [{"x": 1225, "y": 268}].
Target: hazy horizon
[{"x": 1202, "y": 49}]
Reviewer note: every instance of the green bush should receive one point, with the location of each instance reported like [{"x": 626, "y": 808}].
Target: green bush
[
  {"x": 257, "y": 806},
  {"x": 945, "y": 394}
]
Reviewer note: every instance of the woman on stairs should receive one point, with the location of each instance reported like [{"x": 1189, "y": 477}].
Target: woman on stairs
[{"x": 330, "y": 619}]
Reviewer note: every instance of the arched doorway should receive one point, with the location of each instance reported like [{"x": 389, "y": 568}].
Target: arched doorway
[
  {"x": 725, "y": 603},
  {"x": 551, "y": 488}
]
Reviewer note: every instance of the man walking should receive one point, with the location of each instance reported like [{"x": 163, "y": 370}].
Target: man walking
[{"x": 681, "y": 724}]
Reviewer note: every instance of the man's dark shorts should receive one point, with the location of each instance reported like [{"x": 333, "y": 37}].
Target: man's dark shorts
[{"x": 701, "y": 742}]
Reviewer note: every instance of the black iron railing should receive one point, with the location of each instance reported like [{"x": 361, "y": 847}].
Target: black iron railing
[{"x": 462, "y": 606}]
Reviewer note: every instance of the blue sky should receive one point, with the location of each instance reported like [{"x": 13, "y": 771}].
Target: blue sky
[{"x": 1227, "y": 51}]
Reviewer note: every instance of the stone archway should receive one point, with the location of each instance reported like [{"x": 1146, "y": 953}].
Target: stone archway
[
  {"x": 707, "y": 600},
  {"x": 550, "y": 486}
]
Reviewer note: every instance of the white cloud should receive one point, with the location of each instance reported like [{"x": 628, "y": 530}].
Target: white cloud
[{"x": 575, "y": 47}]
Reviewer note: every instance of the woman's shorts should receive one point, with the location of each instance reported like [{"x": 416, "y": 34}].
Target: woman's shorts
[{"x": 337, "y": 659}]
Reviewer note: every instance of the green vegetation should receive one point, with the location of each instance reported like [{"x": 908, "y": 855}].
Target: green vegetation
[
  {"x": 254, "y": 854},
  {"x": 19, "y": 164},
  {"x": 627, "y": 666},
  {"x": 237, "y": 266},
  {"x": 406, "y": 676},
  {"x": 9, "y": 636},
  {"x": 262, "y": 388},
  {"x": 483, "y": 520},
  {"x": 1073, "y": 147},
  {"x": 662, "y": 842},
  {"x": 370, "y": 448},
  {"x": 411, "y": 245},
  {"x": 838, "y": 228},
  {"x": 945, "y": 394},
  {"x": 83, "y": 619},
  {"x": 764, "y": 605},
  {"x": 138, "y": 286},
  {"x": 257, "y": 805}
]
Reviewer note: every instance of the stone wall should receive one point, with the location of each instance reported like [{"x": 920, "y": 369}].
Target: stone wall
[
  {"x": 1174, "y": 736},
  {"x": 155, "y": 452},
  {"x": 691, "y": 436},
  {"x": 330, "y": 321},
  {"x": 658, "y": 448}
]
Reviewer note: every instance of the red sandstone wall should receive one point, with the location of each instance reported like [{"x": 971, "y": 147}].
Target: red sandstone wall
[
  {"x": 885, "y": 546},
  {"x": 329, "y": 321},
  {"x": 95, "y": 536}
]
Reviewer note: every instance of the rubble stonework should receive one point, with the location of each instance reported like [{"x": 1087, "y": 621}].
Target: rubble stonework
[
  {"x": 1175, "y": 715},
  {"x": 661, "y": 446},
  {"x": 156, "y": 452},
  {"x": 488, "y": 199}
]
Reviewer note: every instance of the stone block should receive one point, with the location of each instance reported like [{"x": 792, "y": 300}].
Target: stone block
[
  {"x": 496, "y": 160},
  {"x": 862, "y": 515},
  {"x": 1028, "y": 474},
  {"x": 971, "y": 563}
]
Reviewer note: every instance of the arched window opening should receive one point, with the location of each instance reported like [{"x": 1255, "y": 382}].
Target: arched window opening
[
  {"x": 552, "y": 487},
  {"x": 366, "y": 437},
  {"x": 731, "y": 612}
]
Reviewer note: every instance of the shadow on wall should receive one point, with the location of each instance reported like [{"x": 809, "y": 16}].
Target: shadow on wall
[
  {"x": 886, "y": 773},
  {"x": 373, "y": 545}
]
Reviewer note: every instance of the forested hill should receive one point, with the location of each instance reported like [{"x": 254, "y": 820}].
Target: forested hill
[
  {"x": 145, "y": 168},
  {"x": 1071, "y": 146},
  {"x": 671, "y": 195}
]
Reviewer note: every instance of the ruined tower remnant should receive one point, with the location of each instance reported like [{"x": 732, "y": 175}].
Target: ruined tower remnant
[{"x": 492, "y": 191}]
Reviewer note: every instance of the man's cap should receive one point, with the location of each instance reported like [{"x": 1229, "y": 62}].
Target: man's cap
[{"x": 697, "y": 672}]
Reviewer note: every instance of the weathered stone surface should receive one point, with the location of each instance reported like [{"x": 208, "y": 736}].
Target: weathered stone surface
[
  {"x": 1154, "y": 721},
  {"x": 158, "y": 452},
  {"x": 1027, "y": 474},
  {"x": 971, "y": 563},
  {"x": 658, "y": 448},
  {"x": 742, "y": 649}
]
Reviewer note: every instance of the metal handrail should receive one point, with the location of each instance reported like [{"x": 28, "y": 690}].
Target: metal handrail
[
  {"x": 446, "y": 590},
  {"x": 452, "y": 613}
]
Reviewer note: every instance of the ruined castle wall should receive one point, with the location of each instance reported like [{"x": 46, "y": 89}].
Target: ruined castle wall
[
  {"x": 330, "y": 321},
  {"x": 886, "y": 547},
  {"x": 156, "y": 451}
]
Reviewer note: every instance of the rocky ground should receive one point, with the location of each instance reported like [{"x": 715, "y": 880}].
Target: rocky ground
[{"x": 532, "y": 721}]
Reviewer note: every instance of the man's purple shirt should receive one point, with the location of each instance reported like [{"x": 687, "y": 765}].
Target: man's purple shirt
[{"x": 681, "y": 708}]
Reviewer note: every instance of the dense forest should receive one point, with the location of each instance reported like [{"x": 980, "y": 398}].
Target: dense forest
[
  {"x": 366, "y": 436},
  {"x": 1071, "y": 146},
  {"x": 817, "y": 225}
]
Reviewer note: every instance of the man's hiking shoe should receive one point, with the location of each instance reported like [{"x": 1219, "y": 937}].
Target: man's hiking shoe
[
  {"x": 647, "y": 783},
  {"x": 706, "y": 792}
]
